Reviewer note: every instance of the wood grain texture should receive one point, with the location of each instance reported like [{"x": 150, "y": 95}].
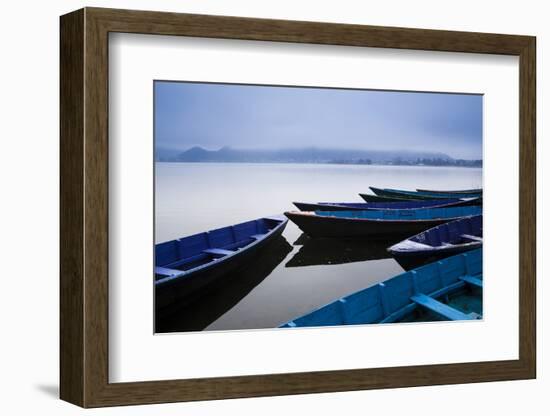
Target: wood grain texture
[
  {"x": 71, "y": 100},
  {"x": 96, "y": 208},
  {"x": 527, "y": 208},
  {"x": 84, "y": 207},
  {"x": 162, "y": 23}
]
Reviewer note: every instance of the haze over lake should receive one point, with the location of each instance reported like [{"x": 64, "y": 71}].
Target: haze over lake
[
  {"x": 299, "y": 274},
  {"x": 213, "y": 115}
]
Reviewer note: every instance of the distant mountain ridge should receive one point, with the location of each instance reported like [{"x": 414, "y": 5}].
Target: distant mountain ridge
[{"x": 299, "y": 155}]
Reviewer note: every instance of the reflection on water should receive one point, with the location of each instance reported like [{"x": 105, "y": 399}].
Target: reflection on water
[
  {"x": 206, "y": 309},
  {"x": 319, "y": 251},
  {"x": 286, "y": 281}
]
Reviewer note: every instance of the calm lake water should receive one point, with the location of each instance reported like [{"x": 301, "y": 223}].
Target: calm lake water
[{"x": 296, "y": 274}]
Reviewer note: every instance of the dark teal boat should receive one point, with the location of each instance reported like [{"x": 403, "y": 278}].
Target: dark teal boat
[
  {"x": 401, "y": 204},
  {"x": 458, "y": 191},
  {"x": 439, "y": 242},
  {"x": 450, "y": 289},
  {"x": 397, "y": 193},
  {"x": 186, "y": 267},
  {"x": 379, "y": 224}
]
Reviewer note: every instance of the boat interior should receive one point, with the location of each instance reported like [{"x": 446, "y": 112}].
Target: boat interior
[{"x": 468, "y": 230}]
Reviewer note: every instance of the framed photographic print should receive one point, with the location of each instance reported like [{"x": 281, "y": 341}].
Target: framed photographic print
[{"x": 255, "y": 207}]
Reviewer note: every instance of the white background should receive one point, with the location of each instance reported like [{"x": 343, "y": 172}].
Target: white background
[
  {"x": 29, "y": 163},
  {"x": 136, "y": 60}
]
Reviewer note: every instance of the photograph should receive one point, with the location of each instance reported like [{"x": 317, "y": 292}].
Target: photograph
[{"x": 294, "y": 206}]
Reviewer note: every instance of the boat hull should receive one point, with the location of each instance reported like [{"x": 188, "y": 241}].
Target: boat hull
[
  {"x": 172, "y": 294},
  {"x": 306, "y": 206},
  {"x": 378, "y": 198},
  {"x": 411, "y": 261},
  {"x": 417, "y": 195},
  {"x": 316, "y": 226},
  {"x": 477, "y": 191}
]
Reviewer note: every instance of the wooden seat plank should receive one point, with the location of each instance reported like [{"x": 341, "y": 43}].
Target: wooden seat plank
[
  {"x": 439, "y": 308},
  {"x": 472, "y": 238},
  {"x": 218, "y": 251},
  {"x": 163, "y": 271},
  {"x": 474, "y": 281}
]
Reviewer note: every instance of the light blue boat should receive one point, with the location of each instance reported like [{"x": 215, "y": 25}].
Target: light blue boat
[{"x": 448, "y": 289}]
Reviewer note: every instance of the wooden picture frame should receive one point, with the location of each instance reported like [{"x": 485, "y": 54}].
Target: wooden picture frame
[{"x": 84, "y": 207}]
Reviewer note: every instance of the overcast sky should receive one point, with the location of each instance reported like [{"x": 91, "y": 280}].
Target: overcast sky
[{"x": 252, "y": 117}]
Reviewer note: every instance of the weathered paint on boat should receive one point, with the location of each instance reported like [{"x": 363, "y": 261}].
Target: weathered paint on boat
[
  {"x": 385, "y": 224},
  {"x": 439, "y": 242},
  {"x": 396, "y": 299},
  {"x": 187, "y": 266},
  {"x": 402, "y": 204},
  {"x": 398, "y": 193}
]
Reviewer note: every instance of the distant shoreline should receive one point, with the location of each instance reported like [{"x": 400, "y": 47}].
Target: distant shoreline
[
  {"x": 313, "y": 155},
  {"x": 321, "y": 163}
]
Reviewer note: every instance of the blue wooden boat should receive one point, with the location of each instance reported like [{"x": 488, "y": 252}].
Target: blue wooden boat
[
  {"x": 187, "y": 266},
  {"x": 379, "y": 224},
  {"x": 377, "y": 198},
  {"x": 397, "y": 193},
  {"x": 402, "y": 204},
  {"x": 210, "y": 306},
  {"x": 449, "y": 289},
  {"x": 439, "y": 242},
  {"x": 478, "y": 191}
]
